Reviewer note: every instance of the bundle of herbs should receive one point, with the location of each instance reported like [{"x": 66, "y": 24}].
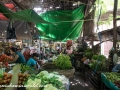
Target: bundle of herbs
[
  {"x": 98, "y": 62},
  {"x": 88, "y": 53},
  {"x": 63, "y": 62}
]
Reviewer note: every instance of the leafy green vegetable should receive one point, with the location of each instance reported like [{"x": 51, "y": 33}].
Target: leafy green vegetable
[
  {"x": 54, "y": 81},
  {"x": 42, "y": 73},
  {"x": 98, "y": 57},
  {"x": 88, "y": 53},
  {"x": 46, "y": 81},
  {"x": 63, "y": 62},
  {"x": 112, "y": 76},
  {"x": 50, "y": 87},
  {"x": 98, "y": 61},
  {"x": 25, "y": 68}
]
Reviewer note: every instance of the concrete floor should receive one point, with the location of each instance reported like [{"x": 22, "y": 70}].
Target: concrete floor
[{"x": 80, "y": 82}]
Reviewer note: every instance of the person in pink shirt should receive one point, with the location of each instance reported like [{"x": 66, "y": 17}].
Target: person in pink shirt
[{"x": 69, "y": 51}]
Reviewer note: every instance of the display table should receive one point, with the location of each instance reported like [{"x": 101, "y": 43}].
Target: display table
[
  {"x": 109, "y": 84},
  {"x": 64, "y": 80}
]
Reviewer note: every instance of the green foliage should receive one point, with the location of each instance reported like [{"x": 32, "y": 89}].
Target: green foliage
[
  {"x": 98, "y": 57},
  {"x": 99, "y": 61},
  {"x": 25, "y": 68},
  {"x": 89, "y": 53},
  {"x": 53, "y": 80},
  {"x": 110, "y": 18},
  {"x": 63, "y": 62},
  {"x": 112, "y": 76},
  {"x": 106, "y": 6}
]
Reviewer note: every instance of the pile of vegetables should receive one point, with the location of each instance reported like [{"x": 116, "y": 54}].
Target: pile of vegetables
[
  {"x": 6, "y": 78},
  {"x": 88, "y": 53},
  {"x": 25, "y": 68},
  {"x": 5, "y": 58},
  {"x": 113, "y": 77},
  {"x": 63, "y": 62},
  {"x": 99, "y": 62},
  {"x": 45, "y": 81}
]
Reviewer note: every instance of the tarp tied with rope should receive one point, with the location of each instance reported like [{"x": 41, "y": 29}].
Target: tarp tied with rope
[
  {"x": 66, "y": 24},
  {"x": 28, "y": 15}
]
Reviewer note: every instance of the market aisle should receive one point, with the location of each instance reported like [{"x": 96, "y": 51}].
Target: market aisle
[{"x": 79, "y": 82}]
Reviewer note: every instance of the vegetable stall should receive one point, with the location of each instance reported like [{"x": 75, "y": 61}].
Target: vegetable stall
[
  {"x": 41, "y": 81},
  {"x": 54, "y": 78}
]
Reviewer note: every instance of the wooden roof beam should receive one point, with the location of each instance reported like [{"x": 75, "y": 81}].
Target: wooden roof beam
[{"x": 19, "y": 5}]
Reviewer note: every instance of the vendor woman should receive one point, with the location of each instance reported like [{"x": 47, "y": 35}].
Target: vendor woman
[
  {"x": 17, "y": 56},
  {"x": 32, "y": 62}
]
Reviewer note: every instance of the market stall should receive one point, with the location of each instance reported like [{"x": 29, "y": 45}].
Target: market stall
[
  {"x": 52, "y": 75},
  {"x": 34, "y": 80}
]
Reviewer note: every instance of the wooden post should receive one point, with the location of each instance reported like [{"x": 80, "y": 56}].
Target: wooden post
[{"x": 114, "y": 25}]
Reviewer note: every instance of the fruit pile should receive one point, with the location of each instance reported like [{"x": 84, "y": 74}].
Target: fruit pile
[
  {"x": 5, "y": 58},
  {"x": 6, "y": 79}
]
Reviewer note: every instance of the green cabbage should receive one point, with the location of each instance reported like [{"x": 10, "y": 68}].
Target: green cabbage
[
  {"x": 33, "y": 84},
  {"x": 49, "y": 87},
  {"x": 42, "y": 73}
]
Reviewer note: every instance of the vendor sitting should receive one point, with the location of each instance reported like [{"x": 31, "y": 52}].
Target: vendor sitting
[
  {"x": 17, "y": 56},
  {"x": 32, "y": 61}
]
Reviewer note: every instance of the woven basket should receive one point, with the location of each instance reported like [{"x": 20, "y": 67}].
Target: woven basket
[{"x": 50, "y": 67}]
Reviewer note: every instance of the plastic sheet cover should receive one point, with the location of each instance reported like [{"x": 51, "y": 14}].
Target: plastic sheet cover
[
  {"x": 66, "y": 24},
  {"x": 28, "y": 15}
]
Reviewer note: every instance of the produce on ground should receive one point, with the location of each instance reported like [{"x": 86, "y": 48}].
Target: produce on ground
[{"x": 63, "y": 62}]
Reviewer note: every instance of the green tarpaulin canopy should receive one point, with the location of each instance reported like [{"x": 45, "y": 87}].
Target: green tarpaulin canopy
[
  {"x": 28, "y": 15},
  {"x": 66, "y": 24}
]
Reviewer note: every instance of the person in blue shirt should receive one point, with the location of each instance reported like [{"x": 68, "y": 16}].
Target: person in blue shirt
[
  {"x": 32, "y": 61},
  {"x": 17, "y": 56}
]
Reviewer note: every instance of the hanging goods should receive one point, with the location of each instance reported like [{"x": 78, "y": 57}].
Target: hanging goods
[{"x": 11, "y": 31}]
